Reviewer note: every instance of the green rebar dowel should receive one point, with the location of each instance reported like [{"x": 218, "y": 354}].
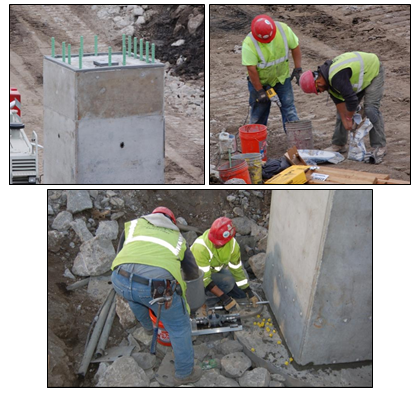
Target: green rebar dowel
[
  {"x": 53, "y": 46},
  {"x": 147, "y": 51},
  {"x": 80, "y": 59},
  {"x": 153, "y": 53},
  {"x": 141, "y": 49},
  {"x": 82, "y": 46},
  {"x": 124, "y": 54},
  {"x": 69, "y": 53},
  {"x": 63, "y": 51},
  {"x": 95, "y": 45},
  {"x": 109, "y": 56},
  {"x": 123, "y": 40},
  {"x": 129, "y": 44},
  {"x": 135, "y": 47}
]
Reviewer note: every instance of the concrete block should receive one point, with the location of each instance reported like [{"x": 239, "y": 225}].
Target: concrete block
[
  {"x": 318, "y": 273},
  {"x": 103, "y": 125}
]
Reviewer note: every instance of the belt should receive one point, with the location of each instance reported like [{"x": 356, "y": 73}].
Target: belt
[{"x": 139, "y": 279}]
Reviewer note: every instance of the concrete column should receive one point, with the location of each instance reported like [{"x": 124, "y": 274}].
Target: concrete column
[
  {"x": 103, "y": 124},
  {"x": 318, "y": 274}
]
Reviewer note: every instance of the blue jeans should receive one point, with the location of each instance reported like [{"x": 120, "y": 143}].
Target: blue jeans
[
  {"x": 260, "y": 112},
  {"x": 176, "y": 319},
  {"x": 226, "y": 282}
]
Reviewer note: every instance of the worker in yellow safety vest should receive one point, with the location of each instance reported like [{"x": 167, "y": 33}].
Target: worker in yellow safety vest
[
  {"x": 265, "y": 53},
  {"x": 217, "y": 254},
  {"x": 349, "y": 78},
  {"x": 149, "y": 267}
]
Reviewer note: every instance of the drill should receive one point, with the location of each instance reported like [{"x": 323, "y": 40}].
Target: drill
[{"x": 272, "y": 95}]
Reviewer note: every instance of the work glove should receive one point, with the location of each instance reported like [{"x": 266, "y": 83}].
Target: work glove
[
  {"x": 296, "y": 73},
  {"x": 262, "y": 97},
  {"x": 229, "y": 303},
  {"x": 251, "y": 296}
]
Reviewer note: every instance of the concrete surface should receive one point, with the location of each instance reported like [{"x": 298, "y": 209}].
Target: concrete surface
[
  {"x": 103, "y": 125},
  {"x": 318, "y": 274}
]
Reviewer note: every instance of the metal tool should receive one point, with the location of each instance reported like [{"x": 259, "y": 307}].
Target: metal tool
[
  {"x": 240, "y": 304},
  {"x": 215, "y": 323},
  {"x": 272, "y": 95},
  {"x": 160, "y": 301}
]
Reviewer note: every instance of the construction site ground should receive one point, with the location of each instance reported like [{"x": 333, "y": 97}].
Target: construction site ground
[
  {"x": 31, "y": 29},
  {"x": 324, "y": 31}
]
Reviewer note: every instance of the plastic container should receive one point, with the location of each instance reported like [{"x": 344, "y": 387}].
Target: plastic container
[
  {"x": 238, "y": 170},
  {"x": 253, "y": 139},
  {"x": 14, "y": 94},
  {"x": 300, "y": 134},
  {"x": 163, "y": 336},
  {"x": 195, "y": 294},
  {"x": 254, "y": 161},
  {"x": 226, "y": 142}
]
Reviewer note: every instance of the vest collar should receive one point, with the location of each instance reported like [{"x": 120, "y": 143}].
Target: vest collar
[{"x": 159, "y": 220}]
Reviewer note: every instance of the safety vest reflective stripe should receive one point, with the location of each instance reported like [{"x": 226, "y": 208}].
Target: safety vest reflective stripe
[
  {"x": 241, "y": 283},
  {"x": 201, "y": 241},
  {"x": 263, "y": 63},
  {"x": 357, "y": 86},
  {"x": 205, "y": 269},
  {"x": 235, "y": 266},
  {"x": 131, "y": 230},
  {"x": 163, "y": 243}
]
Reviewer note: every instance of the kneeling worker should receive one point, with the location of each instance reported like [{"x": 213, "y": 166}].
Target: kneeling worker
[
  {"x": 149, "y": 266},
  {"x": 215, "y": 251}
]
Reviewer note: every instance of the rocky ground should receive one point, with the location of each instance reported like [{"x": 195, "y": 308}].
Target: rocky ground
[
  {"x": 178, "y": 34},
  {"x": 324, "y": 31},
  {"x": 83, "y": 230}
]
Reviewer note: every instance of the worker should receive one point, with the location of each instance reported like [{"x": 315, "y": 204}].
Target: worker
[
  {"x": 149, "y": 266},
  {"x": 265, "y": 52},
  {"x": 217, "y": 254},
  {"x": 348, "y": 78}
]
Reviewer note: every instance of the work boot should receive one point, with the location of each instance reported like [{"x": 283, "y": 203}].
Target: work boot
[
  {"x": 149, "y": 332},
  {"x": 337, "y": 148},
  {"x": 375, "y": 156},
  {"x": 193, "y": 377}
]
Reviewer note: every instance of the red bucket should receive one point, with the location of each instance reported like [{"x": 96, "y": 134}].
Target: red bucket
[
  {"x": 238, "y": 170},
  {"x": 253, "y": 139},
  {"x": 163, "y": 336}
]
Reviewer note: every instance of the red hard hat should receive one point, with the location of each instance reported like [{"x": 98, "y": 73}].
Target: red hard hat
[
  {"x": 263, "y": 28},
  {"x": 307, "y": 82},
  {"x": 222, "y": 231},
  {"x": 167, "y": 212}
]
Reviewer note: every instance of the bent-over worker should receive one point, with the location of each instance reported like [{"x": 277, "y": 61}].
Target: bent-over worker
[
  {"x": 348, "y": 78},
  {"x": 217, "y": 254},
  {"x": 149, "y": 266},
  {"x": 265, "y": 52}
]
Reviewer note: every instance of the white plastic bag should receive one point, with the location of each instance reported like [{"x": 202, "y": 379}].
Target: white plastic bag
[{"x": 357, "y": 148}]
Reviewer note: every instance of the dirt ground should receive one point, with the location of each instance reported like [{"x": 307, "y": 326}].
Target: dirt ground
[
  {"x": 31, "y": 29},
  {"x": 324, "y": 31}
]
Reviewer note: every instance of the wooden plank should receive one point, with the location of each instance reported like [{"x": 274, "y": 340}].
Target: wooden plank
[
  {"x": 312, "y": 181},
  {"x": 391, "y": 181},
  {"x": 346, "y": 176}
]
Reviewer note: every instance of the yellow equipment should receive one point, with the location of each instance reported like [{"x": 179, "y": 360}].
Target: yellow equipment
[
  {"x": 272, "y": 95},
  {"x": 295, "y": 174}
]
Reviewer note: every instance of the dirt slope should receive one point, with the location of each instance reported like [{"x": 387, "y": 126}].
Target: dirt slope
[
  {"x": 31, "y": 29},
  {"x": 324, "y": 32}
]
